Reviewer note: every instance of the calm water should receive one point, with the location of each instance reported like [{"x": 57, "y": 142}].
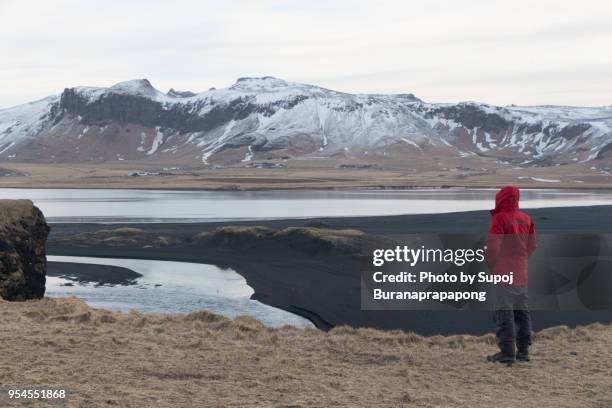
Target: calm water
[
  {"x": 82, "y": 205},
  {"x": 170, "y": 287}
]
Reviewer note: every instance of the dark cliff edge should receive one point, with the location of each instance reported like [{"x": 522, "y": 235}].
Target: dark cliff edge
[
  {"x": 184, "y": 117},
  {"x": 23, "y": 237}
]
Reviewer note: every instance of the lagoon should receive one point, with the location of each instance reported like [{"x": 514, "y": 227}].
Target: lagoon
[
  {"x": 170, "y": 287},
  {"x": 146, "y": 206}
]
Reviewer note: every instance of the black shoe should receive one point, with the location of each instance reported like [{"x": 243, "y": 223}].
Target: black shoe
[
  {"x": 501, "y": 358},
  {"x": 523, "y": 355}
]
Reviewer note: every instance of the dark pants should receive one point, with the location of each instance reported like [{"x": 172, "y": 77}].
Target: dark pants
[{"x": 512, "y": 318}]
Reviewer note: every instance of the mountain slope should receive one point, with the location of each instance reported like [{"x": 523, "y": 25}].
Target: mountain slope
[{"x": 261, "y": 118}]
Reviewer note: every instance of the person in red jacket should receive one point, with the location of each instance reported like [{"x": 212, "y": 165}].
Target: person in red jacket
[{"x": 510, "y": 242}]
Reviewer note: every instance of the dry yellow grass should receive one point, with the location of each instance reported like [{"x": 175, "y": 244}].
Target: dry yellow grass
[
  {"x": 198, "y": 360},
  {"x": 309, "y": 174},
  {"x": 119, "y": 237}
]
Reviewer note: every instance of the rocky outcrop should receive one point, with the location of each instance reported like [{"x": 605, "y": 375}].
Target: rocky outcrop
[
  {"x": 119, "y": 237},
  {"x": 23, "y": 237},
  {"x": 125, "y": 108},
  {"x": 474, "y": 116},
  {"x": 308, "y": 240}
]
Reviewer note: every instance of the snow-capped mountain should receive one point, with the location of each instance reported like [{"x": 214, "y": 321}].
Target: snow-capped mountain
[{"x": 259, "y": 118}]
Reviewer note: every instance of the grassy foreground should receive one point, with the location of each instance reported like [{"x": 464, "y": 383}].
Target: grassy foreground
[{"x": 105, "y": 358}]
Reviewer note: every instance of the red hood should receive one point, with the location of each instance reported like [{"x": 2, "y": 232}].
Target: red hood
[{"x": 507, "y": 199}]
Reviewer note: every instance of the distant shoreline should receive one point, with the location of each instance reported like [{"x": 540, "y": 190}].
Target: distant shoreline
[
  {"x": 308, "y": 175},
  {"x": 324, "y": 188}
]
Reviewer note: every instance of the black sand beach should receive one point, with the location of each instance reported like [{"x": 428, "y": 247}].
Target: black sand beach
[
  {"x": 103, "y": 275},
  {"x": 324, "y": 286}
]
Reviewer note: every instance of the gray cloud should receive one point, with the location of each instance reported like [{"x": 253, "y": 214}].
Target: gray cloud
[{"x": 495, "y": 51}]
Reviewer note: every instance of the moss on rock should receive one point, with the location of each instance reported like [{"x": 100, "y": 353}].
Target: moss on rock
[{"x": 23, "y": 263}]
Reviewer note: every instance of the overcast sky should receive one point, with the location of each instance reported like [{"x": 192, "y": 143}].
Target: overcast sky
[{"x": 501, "y": 52}]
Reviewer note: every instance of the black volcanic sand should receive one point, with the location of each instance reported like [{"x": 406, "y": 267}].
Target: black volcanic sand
[
  {"x": 103, "y": 275},
  {"x": 325, "y": 286}
]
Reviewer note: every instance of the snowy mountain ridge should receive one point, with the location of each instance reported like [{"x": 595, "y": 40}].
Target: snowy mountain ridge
[{"x": 269, "y": 116}]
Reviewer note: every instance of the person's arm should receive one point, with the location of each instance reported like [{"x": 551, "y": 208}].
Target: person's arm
[
  {"x": 532, "y": 242},
  {"x": 494, "y": 241}
]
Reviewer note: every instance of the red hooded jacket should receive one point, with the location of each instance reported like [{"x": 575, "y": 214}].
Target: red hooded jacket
[{"x": 512, "y": 237}]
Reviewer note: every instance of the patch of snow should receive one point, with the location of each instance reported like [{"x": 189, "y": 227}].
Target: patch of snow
[
  {"x": 7, "y": 147},
  {"x": 410, "y": 142},
  {"x": 446, "y": 142},
  {"x": 143, "y": 139},
  {"x": 212, "y": 149},
  {"x": 248, "y": 156},
  {"x": 157, "y": 142},
  {"x": 323, "y": 142},
  {"x": 481, "y": 147},
  {"x": 25, "y": 121},
  {"x": 542, "y": 180},
  {"x": 85, "y": 130}
]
